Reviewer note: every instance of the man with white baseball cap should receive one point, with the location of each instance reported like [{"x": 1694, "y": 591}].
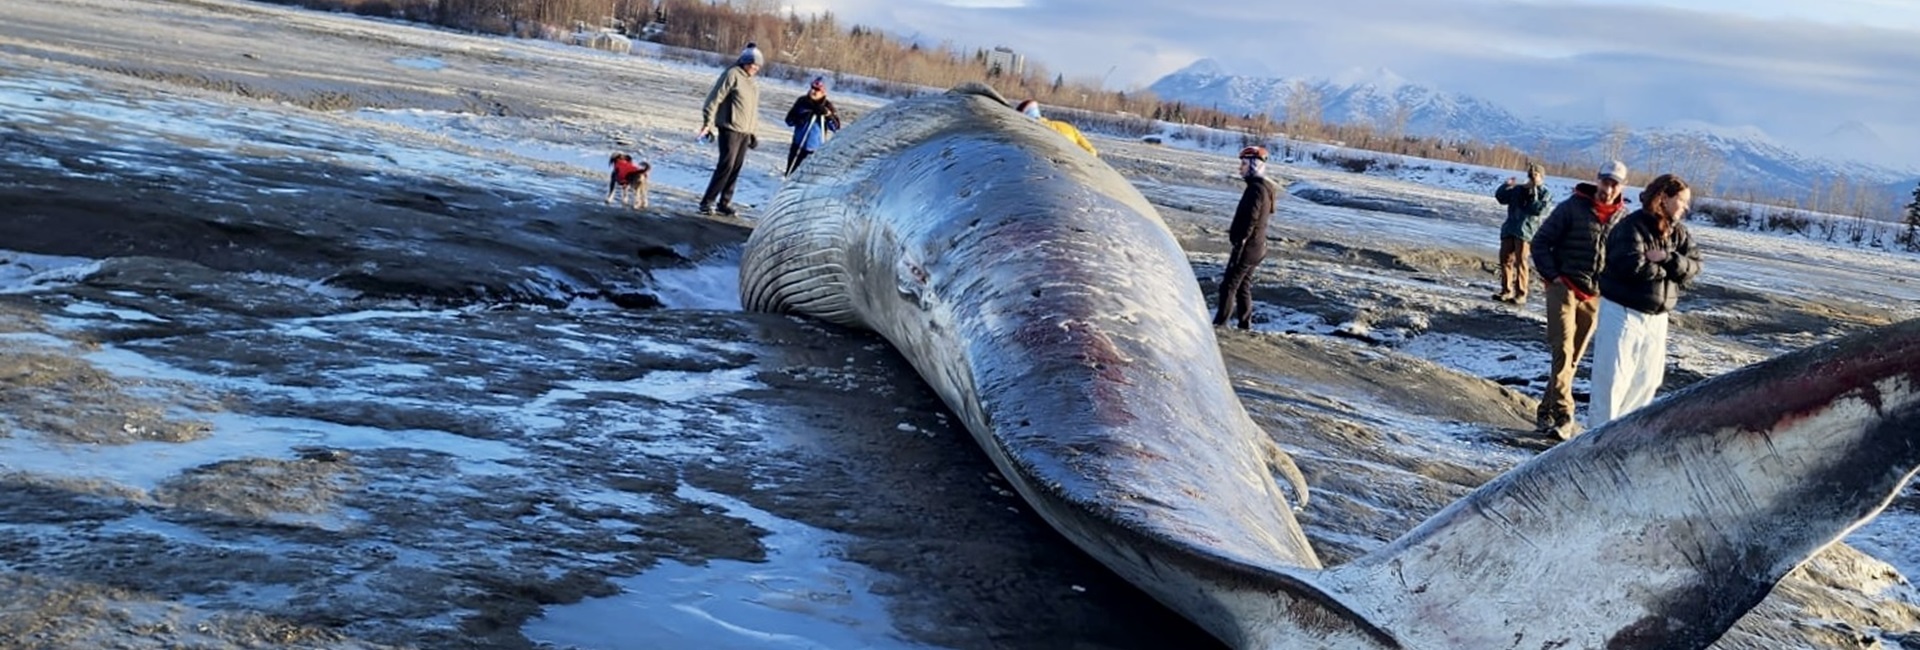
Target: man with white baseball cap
[{"x": 1567, "y": 251}]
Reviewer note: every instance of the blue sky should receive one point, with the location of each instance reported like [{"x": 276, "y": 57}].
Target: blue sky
[{"x": 1796, "y": 69}]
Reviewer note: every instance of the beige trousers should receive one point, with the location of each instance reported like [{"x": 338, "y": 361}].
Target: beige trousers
[{"x": 1569, "y": 329}]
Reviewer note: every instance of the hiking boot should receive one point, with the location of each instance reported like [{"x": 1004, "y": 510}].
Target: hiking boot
[
  {"x": 1561, "y": 428},
  {"x": 727, "y": 210},
  {"x": 706, "y": 210},
  {"x": 1568, "y": 430},
  {"x": 1503, "y": 297}
]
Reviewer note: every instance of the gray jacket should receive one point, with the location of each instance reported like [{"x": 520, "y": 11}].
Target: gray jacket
[{"x": 734, "y": 102}]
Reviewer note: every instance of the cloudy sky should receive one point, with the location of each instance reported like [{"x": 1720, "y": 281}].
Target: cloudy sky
[{"x": 1797, "y": 69}]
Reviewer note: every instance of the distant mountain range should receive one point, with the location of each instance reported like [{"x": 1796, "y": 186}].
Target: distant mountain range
[{"x": 1740, "y": 158}]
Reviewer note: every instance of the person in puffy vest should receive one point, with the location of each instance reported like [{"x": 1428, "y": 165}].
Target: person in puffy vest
[
  {"x": 812, "y": 118},
  {"x": 1567, "y": 253},
  {"x": 1526, "y": 204},
  {"x": 1031, "y": 109},
  {"x": 1248, "y": 234},
  {"x": 1650, "y": 258}
]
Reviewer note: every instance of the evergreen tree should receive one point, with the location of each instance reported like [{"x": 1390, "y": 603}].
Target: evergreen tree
[{"x": 1912, "y": 236}]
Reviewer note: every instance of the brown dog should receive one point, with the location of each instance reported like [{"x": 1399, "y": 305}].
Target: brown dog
[{"x": 629, "y": 178}]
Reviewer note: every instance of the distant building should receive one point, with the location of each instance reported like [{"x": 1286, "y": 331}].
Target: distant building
[{"x": 1003, "y": 61}]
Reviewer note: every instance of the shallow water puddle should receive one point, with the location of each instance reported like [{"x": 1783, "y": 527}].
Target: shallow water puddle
[{"x": 802, "y": 597}]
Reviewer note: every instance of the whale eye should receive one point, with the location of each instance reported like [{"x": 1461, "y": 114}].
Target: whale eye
[{"x": 911, "y": 280}]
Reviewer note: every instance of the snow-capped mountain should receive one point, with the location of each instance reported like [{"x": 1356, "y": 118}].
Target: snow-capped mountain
[
  {"x": 1378, "y": 97},
  {"x": 1737, "y": 158}
]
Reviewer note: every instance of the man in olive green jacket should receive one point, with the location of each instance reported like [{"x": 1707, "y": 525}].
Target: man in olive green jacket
[{"x": 733, "y": 110}]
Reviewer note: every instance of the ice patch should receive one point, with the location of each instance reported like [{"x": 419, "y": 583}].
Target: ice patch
[
  {"x": 91, "y": 309},
  {"x": 391, "y": 370},
  {"x": 315, "y": 287},
  {"x": 24, "y": 272},
  {"x": 800, "y": 597},
  {"x": 144, "y": 465},
  {"x": 420, "y": 63},
  {"x": 626, "y": 502},
  {"x": 35, "y": 338},
  {"x": 662, "y": 385},
  {"x": 373, "y": 314},
  {"x": 712, "y": 283},
  {"x": 1479, "y": 357}
]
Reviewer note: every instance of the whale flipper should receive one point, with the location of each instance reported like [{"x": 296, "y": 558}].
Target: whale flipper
[{"x": 1663, "y": 528}]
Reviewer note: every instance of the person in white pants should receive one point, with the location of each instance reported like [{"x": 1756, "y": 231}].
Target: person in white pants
[{"x": 1650, "y": 257}]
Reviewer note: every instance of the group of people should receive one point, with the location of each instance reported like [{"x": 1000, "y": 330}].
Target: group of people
[
  {"x": 730, "y": 115},
  {"x": 1611, "y": 275}
]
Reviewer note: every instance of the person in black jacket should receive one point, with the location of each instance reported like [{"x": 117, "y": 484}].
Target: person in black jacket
[
  {"x": 1567, "y": 253},
  {"x": 1249, "y": 236},
  {"x": 811, "y": 117},
  {"x": 1650, "y": 256}
]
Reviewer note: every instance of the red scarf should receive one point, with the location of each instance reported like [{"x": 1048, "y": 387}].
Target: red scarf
[
  {"x": 1602, "y": 211},
  {"x": 1605, "y": 211}
]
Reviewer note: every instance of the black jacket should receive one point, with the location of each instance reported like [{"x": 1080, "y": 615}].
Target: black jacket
[
  {"x": 1250, "y": 217},
  {"x": 805, "y": 108},
  {"x": 1572, "y": 241},
  {"x": 1632, "y": 281}
]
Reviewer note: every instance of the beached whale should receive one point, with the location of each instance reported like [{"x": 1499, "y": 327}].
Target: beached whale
[{"x": 1050, "y": 308}]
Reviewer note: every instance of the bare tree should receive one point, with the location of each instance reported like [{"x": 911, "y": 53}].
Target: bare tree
[
  {"x": 1398, "y": 117},
  {"x": 1615, "y": 146},
  {"x": 1304, "y": 105}
]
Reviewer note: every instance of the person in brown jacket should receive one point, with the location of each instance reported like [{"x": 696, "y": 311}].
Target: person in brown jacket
[
  {"x": 1567, "y": 251},
  {"x": 1249, "y": 237}
]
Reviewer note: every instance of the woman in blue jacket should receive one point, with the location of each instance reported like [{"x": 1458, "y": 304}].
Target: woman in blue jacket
[{"x": 811, "y": 117}]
